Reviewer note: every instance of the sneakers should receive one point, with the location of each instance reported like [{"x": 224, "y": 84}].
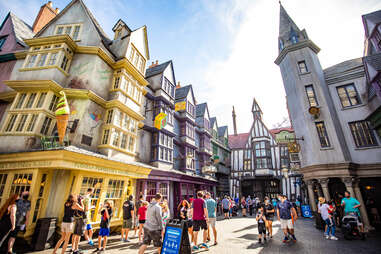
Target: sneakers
[
  {"x": 260, "y": 240},
  {"x": 126, "y": 240},
  {"x": 265, "y": 239},
  {"x": 204, "y": 245},
  {"x": 285, "y": 240},
  {"x": 326, "y": 236},
  {"x": 334, "y": 238},
  {"x": 293, "y": 238},
  {"x": 195, "y": 248}
]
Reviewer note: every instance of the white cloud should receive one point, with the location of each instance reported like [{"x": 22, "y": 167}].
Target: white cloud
[{"x": 249, "y": 70}]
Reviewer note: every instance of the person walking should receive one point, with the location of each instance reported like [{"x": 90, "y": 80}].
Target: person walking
[
  {"x": 269, "y": 213},
  {"x": 106, "y": 213},
  {"x": 153, "y": 226},
  {"x": 79, "y": 225},
  {"x": 185, "y": 214},
  {"x": 67, "y": 225},
  {"x": 284, "y": 210},
  {"x": 323, "y": 209},
  {"x": 211, "y": 206},
  {"x": 128, "y": 218},
  {"x": 138, "y": 204},
  {"x": 142, "y": 216},
  {"x": 200, "y": 217},
  {"x": 225, "y": 203},
  {"x": 261, "y": 220},
  {"x": 351, "y": 205},
  {"x": 165, "y": 215},
  {"x": 87, "y": 209},
  {"x": 22, "y": 218},
  {"x": 243, "y": 206},
  {"x": 250, "y": 205},
  {"x": 8, "y": 217}
]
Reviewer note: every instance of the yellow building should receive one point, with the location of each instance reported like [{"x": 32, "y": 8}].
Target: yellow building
[{"x": 104, "y": 83}]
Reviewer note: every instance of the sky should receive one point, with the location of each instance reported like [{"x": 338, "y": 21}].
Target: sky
[{"x": 226, "y": 48}]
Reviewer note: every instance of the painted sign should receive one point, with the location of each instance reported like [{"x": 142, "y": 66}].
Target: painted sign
[
  {"x": 172, "y": 240},
  {"x": 180, "y": 105},
  {"x": 306, "y": 211},
  {"x": 160, "y": 121}
]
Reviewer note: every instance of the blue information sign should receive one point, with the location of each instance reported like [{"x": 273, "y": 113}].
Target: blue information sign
[
  {"x": 172, "y": 240},
  {"x": 306, "y": 211}
]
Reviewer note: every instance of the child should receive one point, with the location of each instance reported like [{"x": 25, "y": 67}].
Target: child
[
  {"x": 142, "y": 212},
  {"x": 261, "y": 219},
  {"x": 104, "y": 231}
]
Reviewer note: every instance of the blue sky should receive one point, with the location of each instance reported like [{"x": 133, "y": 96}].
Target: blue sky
[{"x": 227, "y": 48}]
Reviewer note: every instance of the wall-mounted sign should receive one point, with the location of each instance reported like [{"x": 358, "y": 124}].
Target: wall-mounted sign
[
  {"x": 314, "y": 111},
  {"x": 179, "y": 106},
  {"x": 160, "y": 121},
  {"x": 293, "y": 147}
]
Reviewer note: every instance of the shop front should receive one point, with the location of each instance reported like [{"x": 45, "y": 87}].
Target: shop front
[
  {"x": 174, "y": 186},
  {"x": 50, "y": 176}
]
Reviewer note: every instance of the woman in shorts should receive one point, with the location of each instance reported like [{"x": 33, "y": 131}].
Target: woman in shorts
[
  {"x": 142, "y": 213},
  {"x": 269, "y": 212},
  {"x": 104, "y": 231},
  {"x": 67, "y": 225}
]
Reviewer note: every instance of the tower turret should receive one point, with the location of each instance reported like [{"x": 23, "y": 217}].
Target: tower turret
[{"x": 234, "y": 122}]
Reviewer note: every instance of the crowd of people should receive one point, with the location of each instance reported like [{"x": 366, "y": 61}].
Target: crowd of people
[{"x": 148, "y": 218}]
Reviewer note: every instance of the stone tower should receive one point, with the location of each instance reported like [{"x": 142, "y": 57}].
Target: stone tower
[{"x": 311, "y": 107}]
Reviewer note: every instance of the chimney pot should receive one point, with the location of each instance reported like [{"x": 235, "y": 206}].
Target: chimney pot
[
  {"x": 57, "y": 10},
  {"x": 178, "y": 84},
  {"x": 50, "y": 4},
  {"x": 157, "y": 62}
]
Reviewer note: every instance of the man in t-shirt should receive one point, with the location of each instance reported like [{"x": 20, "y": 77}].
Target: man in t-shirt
[
  {"x": 22, "y": 218},
  {"x": 138, "y": 204},
  {"x": 211, "y": 206},
  {"x": 153, "y": 226},
  {"x": 351, "y": 205},
  {"x": 199, "y": 216},
  {"x": 87, "y": 210},
  {"x": 284, "y": 210},
  {"x": 128, "y": 218},
  {"x": 225, "y": 207}
]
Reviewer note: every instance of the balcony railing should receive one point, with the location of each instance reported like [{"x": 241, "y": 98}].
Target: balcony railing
[{"x": 52, "y": 143}]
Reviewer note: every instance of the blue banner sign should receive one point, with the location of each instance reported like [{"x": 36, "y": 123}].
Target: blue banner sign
[
  {"x": 306, "y": 211},
  {"x": 172, "y": 240}
]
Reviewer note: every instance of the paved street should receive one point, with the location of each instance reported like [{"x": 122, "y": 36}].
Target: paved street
[{"x": 239, "y": 235}]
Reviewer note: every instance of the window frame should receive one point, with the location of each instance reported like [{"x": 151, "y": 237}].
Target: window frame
[
  {"x": 300, "y": 67},
  {"x": 314, "y": 96},
  {"x": 72, "y": 31},
  {"x": 348, "y": 98},
  {"x": 323, "y": 131},
  {"x": 359, "y": 138}
]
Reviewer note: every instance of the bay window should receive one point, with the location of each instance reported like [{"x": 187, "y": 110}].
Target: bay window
[{"x": 262, "y": 155}]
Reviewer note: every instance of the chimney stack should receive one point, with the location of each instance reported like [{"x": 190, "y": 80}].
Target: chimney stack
[
  {"x": 234, "y": 122},
  {"x": 154, "y": 64},
  {"x": 44, "y": 16},
  {"x": 178, "y": 85}
]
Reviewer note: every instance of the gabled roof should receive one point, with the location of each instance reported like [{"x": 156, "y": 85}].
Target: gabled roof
[
  {"x": 21, "y": 29},
  {"x": 104, "y": 38},
  {"x": 255, "y": 106},
  {"x": 371, "y": 20},
  {"x": 158, "y": 69},
  {"x": 183, "y": 91},
  {"x": 222, "y": 130},
  {"x": 122, "y": 23},
  {"x": 200, "y": 109},
  {"x": 238, "y": 141}
]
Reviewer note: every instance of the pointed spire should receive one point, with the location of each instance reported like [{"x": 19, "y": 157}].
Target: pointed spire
[
  {"x": 289, "y": 32},
  {"x": 234, "y": 122}
]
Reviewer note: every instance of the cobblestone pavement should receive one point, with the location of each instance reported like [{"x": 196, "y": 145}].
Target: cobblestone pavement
[{"x": 239, "y": 235}]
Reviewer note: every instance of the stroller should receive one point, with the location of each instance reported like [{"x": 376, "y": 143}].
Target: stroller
[{"x": 350, "y": 227}]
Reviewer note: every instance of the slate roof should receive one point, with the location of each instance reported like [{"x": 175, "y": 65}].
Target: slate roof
[
  {"x": 157, "y": 69},
  {"x": 370, "y": 21},
  {"x": 21, "y": 29},
  {"x": 373, "y": 66},
  {"x": 182, "y": 92},
  {"x": 343, "y": 66},
  {"x": 200, "y": 109},
  {"x": 222, "y": 130},
  {"x": 238, "y": 141}
]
